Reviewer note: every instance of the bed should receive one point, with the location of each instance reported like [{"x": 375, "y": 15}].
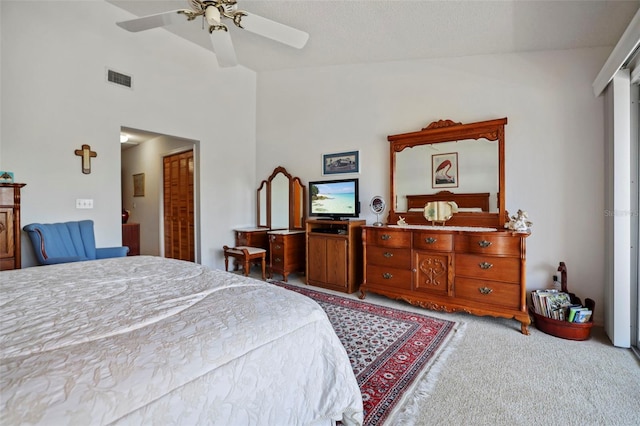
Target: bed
[{"x": 148, "y": 340}]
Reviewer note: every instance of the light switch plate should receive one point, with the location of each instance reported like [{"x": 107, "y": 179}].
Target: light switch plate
[{"x": 84, "y": 203}]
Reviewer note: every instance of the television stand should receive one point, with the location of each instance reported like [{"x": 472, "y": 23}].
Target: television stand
[{"x": 334, "y": 254}]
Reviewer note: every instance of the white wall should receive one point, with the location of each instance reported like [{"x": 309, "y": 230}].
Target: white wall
[
  {"x": 554, "y": 137},
  {"x": 55, "y": 98}
]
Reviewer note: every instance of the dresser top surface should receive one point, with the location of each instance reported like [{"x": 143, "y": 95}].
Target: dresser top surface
[
  {"x": 456, "y": 229},
  {"x": 253, "y": 229},
  {"x": 286, "y": 232},
  {"x": 445, "y": 228}
]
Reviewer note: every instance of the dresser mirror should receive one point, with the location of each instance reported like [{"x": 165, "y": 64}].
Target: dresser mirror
[
  {"x": 450, "y": 162},
  {"x": 280, "y": 201}
]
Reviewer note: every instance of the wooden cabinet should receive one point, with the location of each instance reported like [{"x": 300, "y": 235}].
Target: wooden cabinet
[
  {"x": 287, "y": 252},
  {"x": 334, "y": 254},
  {"x": 482, "y": 273},
  {"x": 10, "y": 250},
  {"x": 131, "y": 238}
]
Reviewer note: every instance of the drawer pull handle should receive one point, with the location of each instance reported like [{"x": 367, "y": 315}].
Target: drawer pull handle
[
  {"x": 278, "y": 246},
  {"x": 485, "y": 265},
  {"x": 385, "y": 237},
  {"x": 430, "y": 240},
  {"x": 387, "y": 276},
  {"x": 277, "y": 260},
  {"x": 485, "y": 290},
  {"x": 387, "y": 254},
  {"x": 484, "y": 243}
]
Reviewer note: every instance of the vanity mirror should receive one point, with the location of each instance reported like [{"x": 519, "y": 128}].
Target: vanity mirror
[
  {"x": 280, "y": 201},
  {"x": 451, "y": 162}
]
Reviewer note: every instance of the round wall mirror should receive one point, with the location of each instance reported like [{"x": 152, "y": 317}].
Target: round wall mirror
[{"x": 377, "y": 206}]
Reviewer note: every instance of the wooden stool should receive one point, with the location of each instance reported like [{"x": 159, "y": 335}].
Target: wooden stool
[{"x": 246, "y": 255}]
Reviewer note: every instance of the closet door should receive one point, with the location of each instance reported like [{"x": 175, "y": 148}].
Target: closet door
[{"x": 179, "y": 206}]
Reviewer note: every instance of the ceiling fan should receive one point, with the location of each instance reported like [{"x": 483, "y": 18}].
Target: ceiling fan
[{"x": 213, "y": 12}]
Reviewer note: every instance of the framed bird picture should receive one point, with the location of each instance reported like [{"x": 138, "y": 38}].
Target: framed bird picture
[{"x": 444, "y": 170}]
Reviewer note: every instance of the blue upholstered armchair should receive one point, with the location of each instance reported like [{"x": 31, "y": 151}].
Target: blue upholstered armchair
[{"x": 68, "y": 242}]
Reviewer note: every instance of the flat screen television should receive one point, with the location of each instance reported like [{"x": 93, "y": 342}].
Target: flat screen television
[{"x": 334, "y": 199}]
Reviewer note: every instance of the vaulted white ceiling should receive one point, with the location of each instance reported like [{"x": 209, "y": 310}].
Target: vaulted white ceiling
[{"x": 354, "y": 31}]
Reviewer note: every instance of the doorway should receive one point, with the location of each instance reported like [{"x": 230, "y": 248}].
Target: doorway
[{"x": 143, "y": 154}]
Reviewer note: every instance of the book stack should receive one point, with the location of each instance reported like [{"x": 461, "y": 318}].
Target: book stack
[{"x": 558, "y": 305}]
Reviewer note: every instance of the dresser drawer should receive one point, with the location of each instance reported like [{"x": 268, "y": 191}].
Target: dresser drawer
[
  {"x": 503, "y": 245},
  {"x": 388, "y": 256},
  {"x": 389, "y": 277},
  {"x": 489, "y": 292},
  {"x": 488, "y": 268},
  {"x": 389, "y": 238},
  {"x": 241, "y": 239},
  {"x": 252, "y": 238},
  {"x": 276, "y": 244},
  {"x": 432, "y": 241}
]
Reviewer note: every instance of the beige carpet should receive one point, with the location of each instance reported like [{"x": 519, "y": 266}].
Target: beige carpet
[{"x": 497, "y": 376}]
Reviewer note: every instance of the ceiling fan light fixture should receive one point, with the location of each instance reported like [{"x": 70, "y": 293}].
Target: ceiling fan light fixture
[{"x": 212, "y": 15}]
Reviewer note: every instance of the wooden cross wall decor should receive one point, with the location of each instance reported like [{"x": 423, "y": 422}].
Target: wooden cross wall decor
[{"x": 86, "y": 155}]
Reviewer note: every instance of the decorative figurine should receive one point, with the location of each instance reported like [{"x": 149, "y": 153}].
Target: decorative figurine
[{"x": 520, "y": 222}]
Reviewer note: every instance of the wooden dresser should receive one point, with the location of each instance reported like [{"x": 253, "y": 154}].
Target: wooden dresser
[
  {"x": 481, "y": 273},
  {"x": 287, "y": 252},
  {"x": 10, "y": 250},
  {"x": 131, "y": 238}
]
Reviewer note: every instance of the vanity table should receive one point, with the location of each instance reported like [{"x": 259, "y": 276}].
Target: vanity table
[
  {"x": 252, "y": 237},
  {"x": 471, "y": 264},
  {"x": 279, "y": 229}
]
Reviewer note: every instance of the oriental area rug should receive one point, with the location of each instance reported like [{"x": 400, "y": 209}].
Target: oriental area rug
[{"x": 395, "y": 354}]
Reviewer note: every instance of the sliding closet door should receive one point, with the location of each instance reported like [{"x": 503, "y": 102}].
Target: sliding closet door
[{"x": 179, "y": 229}]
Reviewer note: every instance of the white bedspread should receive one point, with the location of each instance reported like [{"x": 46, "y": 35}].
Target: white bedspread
[{"x": 147, "y": 340}]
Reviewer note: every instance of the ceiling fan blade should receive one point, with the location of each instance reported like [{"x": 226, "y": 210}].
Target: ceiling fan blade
[
  {"x": 274, "y": 30},
  {"x": 152, "y": 21},
  {"x": 223, "y": 47}
]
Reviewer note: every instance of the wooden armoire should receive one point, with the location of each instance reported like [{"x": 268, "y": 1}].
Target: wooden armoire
[{"x": 10, "y": 256}]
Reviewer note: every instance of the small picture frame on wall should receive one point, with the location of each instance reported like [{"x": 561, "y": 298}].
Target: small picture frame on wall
[
  {"x": 138, "y": 185},
  {"x": 6, "y": 177},
  {"x": 341, "y": 162},
  {"x": 444, "y": 170}
]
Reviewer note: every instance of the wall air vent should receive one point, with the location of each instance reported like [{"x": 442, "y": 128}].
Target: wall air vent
[{"x": 118, "y": 78}]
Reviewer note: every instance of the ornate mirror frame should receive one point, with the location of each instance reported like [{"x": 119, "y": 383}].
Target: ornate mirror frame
[
  {"x": 448, "y": 131},
  {"x": 274, "y": 198}
]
